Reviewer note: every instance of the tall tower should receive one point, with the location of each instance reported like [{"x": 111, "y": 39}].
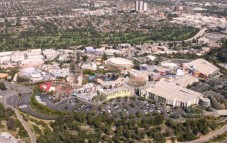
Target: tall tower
[
  {"x": 145, "y": 6},
  {"x": 140, "y": 6},
  {"x": 137, "y": 5}
]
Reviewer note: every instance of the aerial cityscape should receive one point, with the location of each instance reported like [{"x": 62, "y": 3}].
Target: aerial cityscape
[{"x": 121, "y": 71}]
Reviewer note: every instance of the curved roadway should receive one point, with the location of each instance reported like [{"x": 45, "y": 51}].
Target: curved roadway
[
  {"x": 25, "y": 101},
  {"x": 199, "y": 34},
  {"x": 20, "y": 118},
  {"x": 29, "y": 111}
]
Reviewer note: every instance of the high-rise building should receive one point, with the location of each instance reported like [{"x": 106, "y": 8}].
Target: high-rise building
[
  {"x": 145, "y": 6},
  {"x": 140, "y": 6},
  {"x": 137, "y": 5}
]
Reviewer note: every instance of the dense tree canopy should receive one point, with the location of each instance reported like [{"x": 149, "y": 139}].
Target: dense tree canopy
[{"x": 83, "y": 127}]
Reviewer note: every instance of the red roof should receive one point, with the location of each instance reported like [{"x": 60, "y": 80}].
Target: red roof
[
  {"x": 45, "y": 86},
  {"x": 64, "y": 88}
]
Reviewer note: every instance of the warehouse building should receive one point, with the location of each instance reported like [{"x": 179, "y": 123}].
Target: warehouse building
[
  {"x": 172, "y": 94},
  {"x": 200, "y": 68}
]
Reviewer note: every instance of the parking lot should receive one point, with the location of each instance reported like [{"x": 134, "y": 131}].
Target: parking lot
[
  {"x": 118, "y": 108},
  {"x": 67, "y": 104},
  {"x": 139, "y": 106},
  {"x": 12, "y": 101}
]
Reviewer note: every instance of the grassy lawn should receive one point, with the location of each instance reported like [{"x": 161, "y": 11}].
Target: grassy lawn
[{"x": 66, "y": 39}]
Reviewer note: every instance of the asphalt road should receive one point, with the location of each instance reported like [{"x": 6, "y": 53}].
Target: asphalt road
[
  {"x": 25, "y": 98},
  {"x": 20, "y": 118},
  {"x": 27, "y": 109},
  {"x": 12, "y": 101},
  {"x": 200, "y": 33}
]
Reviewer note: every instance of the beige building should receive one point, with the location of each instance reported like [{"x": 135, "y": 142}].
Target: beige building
[
  {"x": 172, "y": 94},
  {"x": 186, "y": 80},
  {"x": 119, "y": 63},
  {"x": 200, "y": 68}
]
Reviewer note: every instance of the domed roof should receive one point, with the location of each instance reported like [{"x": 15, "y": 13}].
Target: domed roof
[{"x": 120, "y": 62}]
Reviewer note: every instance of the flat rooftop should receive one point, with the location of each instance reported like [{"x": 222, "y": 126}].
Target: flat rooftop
[
  {"x": 186, "y": 80},
  {"x": 170, "y": 90},
  {"x": 203, "y": 66},
  {"x": 7, "y": 138}
]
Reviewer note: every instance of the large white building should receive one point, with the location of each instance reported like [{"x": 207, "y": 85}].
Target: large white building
[
  {"x": 137, "y": 6},
  {"x": 201, "y": 68},
  {"x": 172, "y": 94},
  {"x": 145, "y": 7},
  {"x": 50, "y": 54},
  {"x": 119, "y": 63},
  {"x": 17, "y": 56},
  {"x": 4, "y": 59}
]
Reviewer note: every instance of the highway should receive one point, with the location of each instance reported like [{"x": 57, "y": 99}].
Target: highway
[
  {"x": 20, "y": 118},
  {"x": 199, "y": 34}
]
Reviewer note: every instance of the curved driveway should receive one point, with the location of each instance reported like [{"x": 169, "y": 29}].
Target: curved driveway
[
  {"x": 25, "y": 101},
  {"x": 29, "y": 111}
]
